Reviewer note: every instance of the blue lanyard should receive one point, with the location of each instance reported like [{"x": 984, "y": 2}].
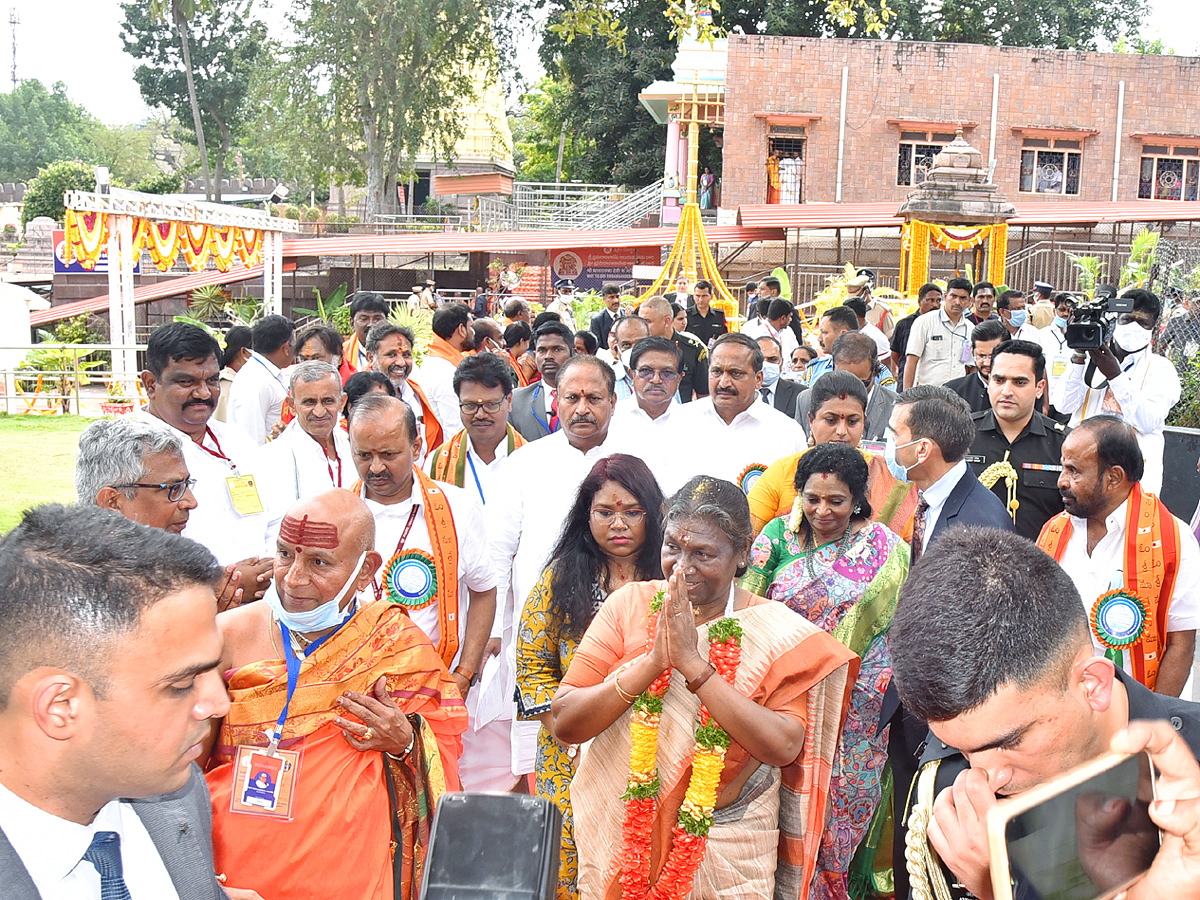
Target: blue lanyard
[
  {"x": 478, "y": 486},
  {"x": 293, "y": 676},
  {"x": 537, "y": 390}
]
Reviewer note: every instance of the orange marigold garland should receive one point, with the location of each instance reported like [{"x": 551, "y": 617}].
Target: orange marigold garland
[{"x": 690, "y": 834}]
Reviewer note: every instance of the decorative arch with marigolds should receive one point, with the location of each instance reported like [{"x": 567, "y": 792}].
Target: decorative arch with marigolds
[
  {"x": 87, "y": 236},
  {"x": 917, "y": 238}
]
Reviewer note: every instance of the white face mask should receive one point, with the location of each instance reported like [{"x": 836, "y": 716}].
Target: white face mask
[
  {"x": 1131, "y": 337},
  {"x": 770, "y": 374},
  {"x": 322, "y": 617},
  {"x": 626, "y": 357}
]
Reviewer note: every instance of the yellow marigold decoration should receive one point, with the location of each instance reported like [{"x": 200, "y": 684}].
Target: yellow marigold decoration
[{"x": 86, "y": 237}]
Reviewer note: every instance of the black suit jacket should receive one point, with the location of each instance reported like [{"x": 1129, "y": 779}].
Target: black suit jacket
[
  {"x": 180, "y": 824},
  {"x": 970, "y": 503},
  {"x": 785, "y": 396},
  {"x": 602, "y": 324}
]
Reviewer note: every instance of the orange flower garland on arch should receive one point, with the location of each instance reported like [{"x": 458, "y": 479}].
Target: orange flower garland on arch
[
  {"x": 87, "y": 235},
  {"x": 689, "y": 837}
]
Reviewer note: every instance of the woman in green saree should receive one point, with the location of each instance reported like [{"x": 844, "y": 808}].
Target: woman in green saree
[{"x": 829, "y": 562}]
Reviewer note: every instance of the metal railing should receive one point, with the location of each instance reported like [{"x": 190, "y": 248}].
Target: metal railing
[
  {"x": 63, "y": 379},
  {"x": 629, "y": 210},
  {"x": 397, "y": 224},
  {"x": 561, "y": 206}
]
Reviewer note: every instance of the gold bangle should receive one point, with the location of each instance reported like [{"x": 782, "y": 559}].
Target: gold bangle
[{"x": 628, "y": 698}]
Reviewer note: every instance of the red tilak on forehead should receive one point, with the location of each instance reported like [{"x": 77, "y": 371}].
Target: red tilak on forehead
[{"x": 311, "y": 534}]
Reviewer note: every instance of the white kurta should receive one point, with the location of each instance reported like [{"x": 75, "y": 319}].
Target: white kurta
[
  {"x": 294, "y": 466},
  {"x": 756, "y": 437},
  {"x": 1146, "y": 389},
  {"x": 436, "y": 377},
  {"x": 226, "y": 452},
  {"x": 256, "y": 397}
]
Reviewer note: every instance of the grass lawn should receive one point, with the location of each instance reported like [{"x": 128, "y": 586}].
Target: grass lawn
[{"x": 37, "y": 462}]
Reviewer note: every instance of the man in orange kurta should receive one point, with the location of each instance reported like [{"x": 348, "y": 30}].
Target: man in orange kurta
[
  {"x": 367, "y": 310},
  {"x": 373, "y": 712}
]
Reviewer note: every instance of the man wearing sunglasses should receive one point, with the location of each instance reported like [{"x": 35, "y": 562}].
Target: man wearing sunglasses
[{"x": 138, "y": 470}]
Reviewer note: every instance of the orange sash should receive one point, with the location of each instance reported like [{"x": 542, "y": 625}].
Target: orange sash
[
  {"x": 444, "y": 540},
  {"x": 1150, "y": 567},
  {"x": 448, "y": 462},
  {"x": 522, "y": 378},
  {"x": 433, "y": 428},
  {"x": 440, "y": 347},
  {"x": 350, "y": 350}
]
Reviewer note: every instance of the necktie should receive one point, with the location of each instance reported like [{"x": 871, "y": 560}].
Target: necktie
[
  {"x": 553, "y": 410},
  {"x": 766, "y": 394},
  {"x": 105, "y": 854},
  {"x": 918, "y": 541}
]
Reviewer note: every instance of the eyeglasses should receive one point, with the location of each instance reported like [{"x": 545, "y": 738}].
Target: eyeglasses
[
  {"x": 664, "y": 375},
  {"x": 631, "y": 517},
  {"x": 492, "y": 406},
  {"x": 175, "y": 489}
]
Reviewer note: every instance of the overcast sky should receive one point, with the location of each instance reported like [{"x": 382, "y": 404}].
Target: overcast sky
[{"x": 78, "y": 42}]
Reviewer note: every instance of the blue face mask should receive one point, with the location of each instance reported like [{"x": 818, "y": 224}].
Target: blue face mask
[
  {"x": 1060, "y": 321},
  {"x": 890, "y": 447},
  {"x": 1017, "y": 317},
  {"x": 770, "y": 374},
  {"x": 321, "y": 618}
]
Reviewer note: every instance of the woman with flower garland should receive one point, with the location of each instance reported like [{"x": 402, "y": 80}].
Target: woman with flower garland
[
  {"x": 713, "y": 716},
  {"x": 611, "y": 537},
  {"x": 837, "y": 415},
  {"x": 829, "y": 562}
]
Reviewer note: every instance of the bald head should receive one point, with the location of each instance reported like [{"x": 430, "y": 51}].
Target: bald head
[
  {"x": 658, "y": 314},
  {"x": 335, "y": 520},
  {"x": 383, "y": 410}
]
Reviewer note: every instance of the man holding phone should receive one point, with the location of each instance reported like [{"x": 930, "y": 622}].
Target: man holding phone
[{"x": 991, "y": 646}]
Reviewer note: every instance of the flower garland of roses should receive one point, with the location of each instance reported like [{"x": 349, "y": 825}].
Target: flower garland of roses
[{"x": 690, "y": 834}]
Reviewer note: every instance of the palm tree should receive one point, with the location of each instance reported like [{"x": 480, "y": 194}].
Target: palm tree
[{"x": 178, "y": 12}]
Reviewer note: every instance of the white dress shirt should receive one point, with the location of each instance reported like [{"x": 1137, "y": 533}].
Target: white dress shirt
[
  {"x": 256, "y": 397},
  {"x": 883, "y": 347},
  {"x": 52, "y": 851},
  {"x": 436, "y": 377},
  {"x": 1146, "y": 389},
  {"x": 294, "y": 466},
  {"x": 409, "y": 396},
  {"x": 475, "y": 569},
  {"x": 756, "y": 437},
  {"x": 1058, "y": 355},
  {"x": 939, "y": 346},
  {"x": 757, "y": 328},
  {"x": 481, "y": 477},
  {"x": 657, "y": 442},
  {"x": 1103, "y": 571},
  {"x": 936, "y": 496},
  {"x": 225, "y": 452}
]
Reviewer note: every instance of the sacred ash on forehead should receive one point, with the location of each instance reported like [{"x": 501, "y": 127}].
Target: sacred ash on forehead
[{"x": 303, "y": 532}]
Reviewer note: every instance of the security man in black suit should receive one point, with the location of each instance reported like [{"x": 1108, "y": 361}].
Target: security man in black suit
[
  {"x": 1017, "y": 451},
  {"x": 1004, "y": 715}
]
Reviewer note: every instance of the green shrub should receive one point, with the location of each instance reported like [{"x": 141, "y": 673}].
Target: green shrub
[{"x": 44, "y": 196}]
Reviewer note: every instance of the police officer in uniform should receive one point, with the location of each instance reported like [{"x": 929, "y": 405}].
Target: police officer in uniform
[{"x": 1017, "y": 451}]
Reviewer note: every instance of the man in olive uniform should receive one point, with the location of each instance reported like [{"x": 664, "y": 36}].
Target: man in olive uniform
[
  {"x": 1014, "y": 431},
  {"x": 694, "y": 383}
]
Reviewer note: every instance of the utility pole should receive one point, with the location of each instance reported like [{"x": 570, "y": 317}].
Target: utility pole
[{"x": 13, "y": 22}]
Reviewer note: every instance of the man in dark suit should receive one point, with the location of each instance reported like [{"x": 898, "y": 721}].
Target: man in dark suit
[
  {"x": 535, "y": 408},
  {"x": 933, "y": 431},
  {"x": 108, "y": 681},
  {"x": 602, "y": 322},
  {"x": 779, "y": 392}
]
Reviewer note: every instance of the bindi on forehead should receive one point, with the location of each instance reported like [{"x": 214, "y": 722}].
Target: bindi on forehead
[{"x": 308, "y": 533}]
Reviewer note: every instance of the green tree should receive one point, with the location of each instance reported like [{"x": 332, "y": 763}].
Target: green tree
[
  {"x": 212, "y": 71},
  {"x": 38, "y": 127},
  {"x": 127, "y": 150},
  {"x": 44, "y": 196},
  {"x": 1065, "y": 24},
  {"x": 537, "y": 126},
  {"x": 378, "y": 81}
]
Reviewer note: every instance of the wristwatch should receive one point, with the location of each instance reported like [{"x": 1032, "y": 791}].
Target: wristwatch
[{"x": 472, "y": 677}]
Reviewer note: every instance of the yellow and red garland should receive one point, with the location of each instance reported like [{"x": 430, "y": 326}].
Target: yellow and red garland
[
  {"x": 87, "y": 238},
  {"x": 690, "y": 834}
]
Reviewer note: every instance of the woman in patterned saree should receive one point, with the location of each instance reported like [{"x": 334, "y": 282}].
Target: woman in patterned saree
[
  {"x": 713, "y": 716},
  {"x": 837, "y": 415},
  {"x": 829, "y": 562},
  {"x": 611, "y": 537}
]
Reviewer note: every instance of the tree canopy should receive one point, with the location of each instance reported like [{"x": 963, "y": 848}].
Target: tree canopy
[
  {"x": 226, "y": 45},
  {"x": 38, "y": 127}
]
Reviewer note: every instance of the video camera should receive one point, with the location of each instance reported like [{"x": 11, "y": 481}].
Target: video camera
[{"x": 1092, "y": 324}]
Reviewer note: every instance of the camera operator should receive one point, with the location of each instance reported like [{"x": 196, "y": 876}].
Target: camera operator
[{"x": 1125, "y": 378}]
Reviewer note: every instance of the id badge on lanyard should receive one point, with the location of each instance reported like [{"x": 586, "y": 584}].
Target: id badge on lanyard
[{"x": 264, "y": 778}]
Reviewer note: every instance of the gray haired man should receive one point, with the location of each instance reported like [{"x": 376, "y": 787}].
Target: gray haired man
[{"x": 137, "y": 469}]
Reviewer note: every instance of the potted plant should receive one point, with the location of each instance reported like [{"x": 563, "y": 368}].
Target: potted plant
[{"x": 117, "y": 403}]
